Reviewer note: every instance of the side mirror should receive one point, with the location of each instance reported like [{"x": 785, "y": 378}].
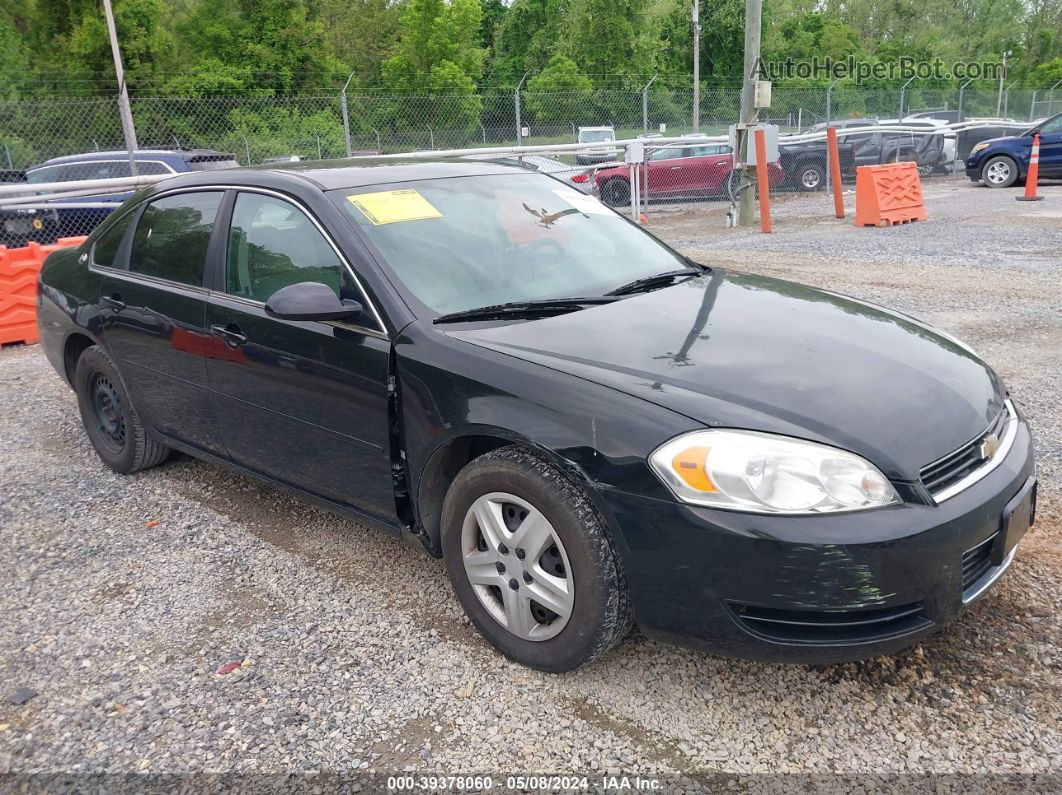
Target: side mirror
[{"x": 310, "y": 301}]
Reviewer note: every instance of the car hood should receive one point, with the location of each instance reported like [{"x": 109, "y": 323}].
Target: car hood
[
  {"x": 736, "y": 350},
  {"x": 1000, "y": 139}
]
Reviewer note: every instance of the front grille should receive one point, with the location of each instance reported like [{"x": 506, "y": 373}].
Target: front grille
[
  {"x": 976, "y": 562},
  {"x": 830, "y": 627},
  {"x": 952, "y": 468}
]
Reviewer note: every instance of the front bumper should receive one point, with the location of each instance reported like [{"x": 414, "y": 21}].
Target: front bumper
[{"x": 814, "y": 589}]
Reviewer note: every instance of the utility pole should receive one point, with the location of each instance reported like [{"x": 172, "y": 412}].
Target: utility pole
[
  {"x": 128, "y": 131},
  {"x": 753, "y": 15},
  {"x": 516, "y": 102},
  {"x": 696, "y": 65},
  {"x": 1002, "y": 74},
  {"x": 346, "y": 118}
]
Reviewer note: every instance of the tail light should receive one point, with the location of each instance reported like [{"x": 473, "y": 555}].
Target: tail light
[{"x": 580, "y": 178}]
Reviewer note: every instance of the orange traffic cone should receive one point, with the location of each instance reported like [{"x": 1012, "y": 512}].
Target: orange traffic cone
[{"x": 1034, "y": 173}]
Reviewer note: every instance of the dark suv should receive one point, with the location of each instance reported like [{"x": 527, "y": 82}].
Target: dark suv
[
  {"x": 111, "y": 165},
  {"x": 19, "y": 226}
]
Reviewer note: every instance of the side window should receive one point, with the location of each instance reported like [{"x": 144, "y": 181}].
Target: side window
[
  {"x": 106, "y": 169},
  {"x": 171, "y": 239},
  {"x": 1052, "y": 126},
  {"x": 45, "y": 174},
  {"x": 150, "y": 167},
  {"x": 105, "y": 249},
  {"x": 273, "y": 244}
]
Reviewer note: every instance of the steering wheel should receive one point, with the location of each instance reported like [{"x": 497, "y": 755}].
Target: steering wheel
[{"x": 530, "y": 267}]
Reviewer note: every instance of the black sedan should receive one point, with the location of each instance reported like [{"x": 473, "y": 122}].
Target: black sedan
[{"x": 591, "y": 429}]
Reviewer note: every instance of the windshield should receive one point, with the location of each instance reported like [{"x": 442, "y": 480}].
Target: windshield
[
  {"x": 468, "y": 242},
  {"x": 596, "y": 136}
]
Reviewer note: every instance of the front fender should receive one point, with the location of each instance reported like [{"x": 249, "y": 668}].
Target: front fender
[{"x": 452, "y": 390}]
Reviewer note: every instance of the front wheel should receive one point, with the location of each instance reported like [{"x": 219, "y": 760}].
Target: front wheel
[
  {"x": 532, "y": 563},
  {"x": 999, "y": 172}
]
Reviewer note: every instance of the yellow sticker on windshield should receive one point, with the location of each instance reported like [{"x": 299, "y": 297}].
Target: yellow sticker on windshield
[{"x": 391, "y": 206}]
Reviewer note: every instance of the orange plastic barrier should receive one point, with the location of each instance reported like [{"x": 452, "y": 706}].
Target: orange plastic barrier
[
  {"x": 888, "y": 194},
  {"x": 18, "y": 288}
]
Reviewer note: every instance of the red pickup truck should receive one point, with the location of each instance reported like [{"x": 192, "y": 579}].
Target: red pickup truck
[{"x": 678, "y": 171}]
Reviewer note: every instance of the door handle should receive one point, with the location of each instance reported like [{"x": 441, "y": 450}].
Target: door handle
[
  {"x": 230, "y": 334},
  {"x": 114, "y": 301}
]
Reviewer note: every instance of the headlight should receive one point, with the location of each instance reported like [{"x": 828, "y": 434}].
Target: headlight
[
  {"x": 764, "y": 473},
  {"x": 978, "y": 147}
]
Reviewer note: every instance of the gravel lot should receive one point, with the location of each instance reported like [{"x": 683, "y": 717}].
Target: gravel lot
[{"x": 122, "y": 595}]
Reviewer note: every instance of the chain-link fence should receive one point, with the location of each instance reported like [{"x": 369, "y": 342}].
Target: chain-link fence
[
  {"x": 257, "y": 128},
  {"x": 254, "y": 129}
]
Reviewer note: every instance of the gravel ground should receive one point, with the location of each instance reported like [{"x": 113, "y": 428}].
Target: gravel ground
[{"x": 123, "y": 595}]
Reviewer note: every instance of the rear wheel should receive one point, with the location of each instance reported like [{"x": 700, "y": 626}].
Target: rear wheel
[
  {"x": 111, "y": 422},
  {"x": 999, "y": 172},
  {"x": 810, "y": 176},
  {"x": 532, "y": 563},
  {"x": 616, "y": 193}
]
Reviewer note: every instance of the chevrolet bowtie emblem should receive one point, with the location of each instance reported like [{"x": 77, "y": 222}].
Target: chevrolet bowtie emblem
[{"x": 989, "y": 446}]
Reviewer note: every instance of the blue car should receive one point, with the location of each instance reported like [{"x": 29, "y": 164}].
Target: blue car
[
  {"x": 1002, "y": 162},
  {"x": 111, "y": 165}
]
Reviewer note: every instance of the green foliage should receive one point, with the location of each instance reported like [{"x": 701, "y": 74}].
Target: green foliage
[
  {"x": 16, "y": 61},
  {"x": 144, "y": 30},
  {"x": 267, "y": 45},
  {"x": 560, "y": 92}
]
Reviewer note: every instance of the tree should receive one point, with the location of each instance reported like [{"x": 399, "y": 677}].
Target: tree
[
  {"x": 438, "y": 57},
  {"x": 363, "y": 34},
  {"x": 144, "y": 32},
  {"x": 15, "y": 65},
  {"x": 268, "y": 45},
  {"x": 526, "y": 39},
  {"x": 560, "y": 92},
  {"x": 610, "y": 37}
]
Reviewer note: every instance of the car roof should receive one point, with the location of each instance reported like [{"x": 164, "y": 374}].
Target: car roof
[
  {"x": 121, "y": 154},
  {"x": 355, "y": 172}
]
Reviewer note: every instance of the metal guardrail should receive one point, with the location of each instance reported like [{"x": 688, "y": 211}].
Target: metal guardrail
[{"x": 23, "y": 196}]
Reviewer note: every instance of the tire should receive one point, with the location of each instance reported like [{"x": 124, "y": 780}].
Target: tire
[
  {"x": 616, "y": 192},
  {"x": 518, "y": 493},
  {"x": 999, "y": 172},
  {"x": 111, "y": 422},
  {"x": 809, "y": 177}
]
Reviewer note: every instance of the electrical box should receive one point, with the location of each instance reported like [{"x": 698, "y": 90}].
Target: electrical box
[
  {"x": 762, "y": 98},
  {"x": 771, "y": 132},
  {"x": 635, "y": 152}
]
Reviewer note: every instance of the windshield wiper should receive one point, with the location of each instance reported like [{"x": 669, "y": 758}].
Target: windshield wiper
[
  {"x": 542, "y": 306},
  {"x": 656, "y": 280}
]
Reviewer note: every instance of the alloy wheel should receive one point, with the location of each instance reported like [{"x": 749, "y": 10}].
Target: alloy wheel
[
  {"x": 810, "y": 178},
  {"x": 517, "y": 566},
  {"x": 997, "y": 173}
]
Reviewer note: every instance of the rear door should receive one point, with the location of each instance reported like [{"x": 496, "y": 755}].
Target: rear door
[
  {"x": 305, "y": 403},
  {"x": 667, "y": 172},
  {"x": 153, "y": 305}
]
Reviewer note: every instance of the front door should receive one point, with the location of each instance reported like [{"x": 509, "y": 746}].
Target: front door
[
  {"x": 154, "y": 313},
  {"x": 303, "y": 402},
  {"x": 1051, "y": 147}
]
